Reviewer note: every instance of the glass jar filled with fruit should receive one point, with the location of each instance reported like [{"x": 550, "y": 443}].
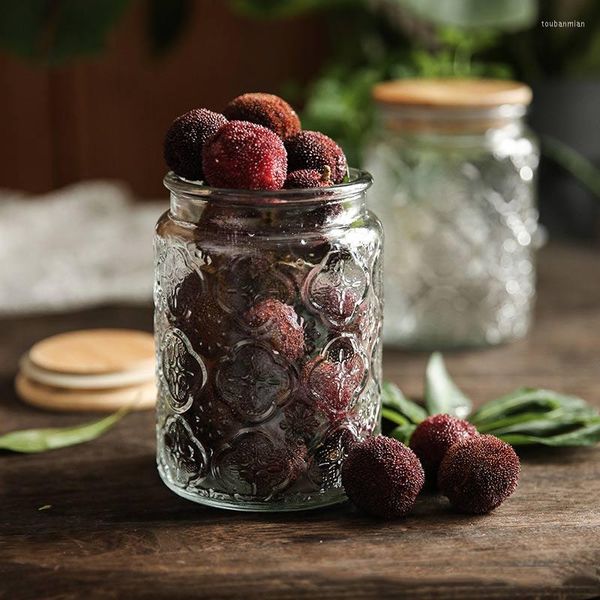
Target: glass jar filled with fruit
[{"x": 267, "y": 310}]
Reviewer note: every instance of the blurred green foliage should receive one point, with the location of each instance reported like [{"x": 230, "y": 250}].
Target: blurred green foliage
[{"x": 52, "y": 32}]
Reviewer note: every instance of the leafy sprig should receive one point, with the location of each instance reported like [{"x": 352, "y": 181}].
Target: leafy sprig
[{"x": 524, "y": 417}]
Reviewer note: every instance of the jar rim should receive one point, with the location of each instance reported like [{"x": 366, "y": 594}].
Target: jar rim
[{"x": 358, "y": 182}]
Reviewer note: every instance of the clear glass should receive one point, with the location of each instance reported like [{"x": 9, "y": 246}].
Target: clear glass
[
  {"x": 456, "y": 191},
  {"x": 268, "y": 311}
]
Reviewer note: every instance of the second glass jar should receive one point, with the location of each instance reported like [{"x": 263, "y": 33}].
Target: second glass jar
[
  {"x": 268, "y": 313},
  {"x": 454, "y": 167}
]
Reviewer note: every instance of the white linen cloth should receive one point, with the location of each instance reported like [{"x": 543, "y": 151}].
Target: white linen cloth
[{"x": 82, "y": 245}]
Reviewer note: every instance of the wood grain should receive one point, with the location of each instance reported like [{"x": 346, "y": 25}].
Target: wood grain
[{"x": 114, "y": 531}]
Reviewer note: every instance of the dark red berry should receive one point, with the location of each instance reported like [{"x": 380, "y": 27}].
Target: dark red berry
[
  {"x": 196, "y": 311},
  {"x": 186, "y": 138},
  {"x": 333, "y": 384},
  {"x": 212, "y": 421},
  {"x": 253, "y": 381},
  {"x": 382, "y": 477},
  {"x": 267, "y": 110},
  {"x": 331, "y": 454},
  {"x": 259, "y": 465},
  {"x": 433, "y": 437},
  {"x": 478, "y": 474},
  {"x": 308, "y": 178},
  {"x": 245, "y": 280},
  {"x": 244, "y": 155},
  {"x": 300, "y": 420},
  {"x": 279, "y": 324},
  {"x": 314, "y": 150}
]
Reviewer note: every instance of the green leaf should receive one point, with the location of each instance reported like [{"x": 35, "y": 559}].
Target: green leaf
[
  {"x": 403, "y": 433},
  {"x": 572, "y": 161},
  {"x": 81, "y": 28},
  {"x": 539, "y": 422},
  {"x": 41, "y": 440},
  {"x": 499, "y": 14},
  {"x": 166, "y": 19},
  {"x": 442, "y": 396},
  {"x": 525, "y": 400},
  {"x": 588, "y": 435},
  {"x": 393, "y": 416},
  {"x": 273, "y": 9},
  {"x": 393, "y": 398}
]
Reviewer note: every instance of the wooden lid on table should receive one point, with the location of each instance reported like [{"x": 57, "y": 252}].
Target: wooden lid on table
[
  {"x": 90, "y": 370},
  {"x": 452, "y": 93},
  {"x": 94, "y": 351}
]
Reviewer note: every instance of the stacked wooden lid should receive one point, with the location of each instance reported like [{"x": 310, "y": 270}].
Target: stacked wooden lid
[{"x": 90, "y": 370}]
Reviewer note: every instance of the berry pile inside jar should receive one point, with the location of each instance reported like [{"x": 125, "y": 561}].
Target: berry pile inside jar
[{"x": 269, "y": 312}]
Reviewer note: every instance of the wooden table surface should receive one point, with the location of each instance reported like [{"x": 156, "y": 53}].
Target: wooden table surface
[{"x": 114, "y": 531}]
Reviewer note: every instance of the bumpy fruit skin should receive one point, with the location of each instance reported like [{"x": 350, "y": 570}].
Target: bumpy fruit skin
[
  {"x": 434, "y": 436},
  {"x": 308, "y": 178},
  {"x": 331, "y": 384},
  {"x": 267, "y": 110},
  {"x": 314, "y": 150},
  {"x": 245, "y": 156},
  {"x": 383, "y": 477},
  {"x": 185, "y": 141},
  {"x": 279, "y": 324},
  {"x": 478, "y": 474}
]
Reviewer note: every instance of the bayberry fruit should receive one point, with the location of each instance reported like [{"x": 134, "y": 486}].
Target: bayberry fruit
[
  {"x": 308, "y": 178},
  {"x": 185, "y": 141},
  {"x": 279, "y": 324},
  {"x": 267, "y": 110},
  {"x": 314, "y": 150},
  {"x": 478, "y": 474},
  {"x": 433, "y": 437},
  {"x": 382, "y": 477},
  {"x": 244, "y": 155}
]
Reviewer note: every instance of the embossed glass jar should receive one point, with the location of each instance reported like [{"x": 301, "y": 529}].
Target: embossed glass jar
[
  {"x": 454, "y": 168},
  {"x": 267, "y": 320}
]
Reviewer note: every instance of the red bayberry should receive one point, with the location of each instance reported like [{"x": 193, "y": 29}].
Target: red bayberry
[
  {"x": 279, "y": 324},
  {"x": 253, "y": 381},
  {"x": 308, "y": 178},
  {"x": 433, "y": 437},
  {"x": 383, "y": 477},
  {"x": 478, "y": 474},
  {"x": 332, "y": 384},
  {"x": 186, "y": 138},
  {"x": 244, "y": 155},
  {"x": 267, "y": 110},
  {"x": 314, "y": 150},
  {"x": 260, "y": 464}
]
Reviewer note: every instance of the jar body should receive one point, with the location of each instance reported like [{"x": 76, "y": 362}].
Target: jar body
[
  {"x": 267, "y": 323},
  {"x": 461, "y": 221}
]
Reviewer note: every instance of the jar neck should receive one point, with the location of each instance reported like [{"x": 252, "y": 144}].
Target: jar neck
[
  {"x": 449, "y": 121},
  {"x": 257, "y": 212}
]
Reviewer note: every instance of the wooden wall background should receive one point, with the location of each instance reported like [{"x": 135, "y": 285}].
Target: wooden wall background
[{"x": 106, "y": 116}]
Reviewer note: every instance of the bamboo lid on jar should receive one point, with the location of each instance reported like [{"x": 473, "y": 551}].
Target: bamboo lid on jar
[{"x": 452, "y": 93}]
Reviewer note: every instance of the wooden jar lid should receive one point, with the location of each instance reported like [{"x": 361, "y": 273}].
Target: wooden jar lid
[
  {"x": 138, "y": 397},
  {"x": 452, "y": 93},
  {"x": 95, "y": 351},
  {"x": 90, "y": 370}
]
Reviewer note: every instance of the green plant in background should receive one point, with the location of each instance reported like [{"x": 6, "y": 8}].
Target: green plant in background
[
  {"x": 53, "y": 32},
  {"x": 371, "y": 41}
]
